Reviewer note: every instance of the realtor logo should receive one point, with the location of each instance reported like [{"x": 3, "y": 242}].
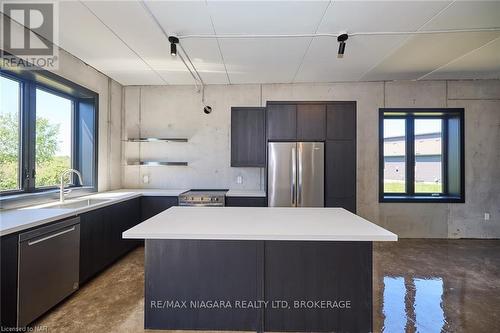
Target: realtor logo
[{"x": 29, "y": 31}]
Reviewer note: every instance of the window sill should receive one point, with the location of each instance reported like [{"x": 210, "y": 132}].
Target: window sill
[{"x": 422, "y": 199}]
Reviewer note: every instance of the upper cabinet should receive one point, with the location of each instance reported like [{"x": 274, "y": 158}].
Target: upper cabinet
[
  {"x": 297, "y": 121},
  {"x": 311, "y": 122},
  {"x": 341, "y": 121},
  {"x": 281, "y": 121},
  {"x": 248, "y": 137}
]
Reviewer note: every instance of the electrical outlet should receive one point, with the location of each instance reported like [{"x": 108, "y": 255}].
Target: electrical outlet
[
  {"x": 145, "y": 179},
  {"x": 239, "y": 180},
  {"x": 486, "y": 216}
]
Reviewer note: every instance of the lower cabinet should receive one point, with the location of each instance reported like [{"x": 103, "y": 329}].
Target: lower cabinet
[
  {"x": 8, "y": 281},
  {"x": 101, "y": 240},
  {"x": 150, "y": 206},
  {"x": 246, "y": 201}
]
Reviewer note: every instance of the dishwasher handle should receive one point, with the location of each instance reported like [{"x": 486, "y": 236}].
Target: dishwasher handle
[{"x": 51, "y": 236}]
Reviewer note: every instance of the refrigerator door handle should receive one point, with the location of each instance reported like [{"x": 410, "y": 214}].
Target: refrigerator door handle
[
  {"x": 294, "y": 176},
  {"x": 299, "y": 176}
]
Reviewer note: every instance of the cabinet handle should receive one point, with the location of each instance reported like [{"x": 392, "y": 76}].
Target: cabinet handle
[{"x": 51, "y": 236}]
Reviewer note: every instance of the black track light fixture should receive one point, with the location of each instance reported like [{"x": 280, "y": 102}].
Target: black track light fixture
[
  {"x": 341, "y": 39},
  {"x": 173, "y": 45}
]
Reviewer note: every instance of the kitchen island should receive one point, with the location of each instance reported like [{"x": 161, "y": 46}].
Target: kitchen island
[{"x": 260, "y": 269}]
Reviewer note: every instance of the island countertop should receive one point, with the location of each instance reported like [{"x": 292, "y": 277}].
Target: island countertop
[{"x": 259, "y": 223}]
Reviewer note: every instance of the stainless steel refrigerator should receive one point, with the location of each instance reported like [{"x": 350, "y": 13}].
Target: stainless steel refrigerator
[{"x": 296, "y": 174}]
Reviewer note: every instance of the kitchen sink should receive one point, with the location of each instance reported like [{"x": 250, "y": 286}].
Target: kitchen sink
[{"x": 78, "y": 203}]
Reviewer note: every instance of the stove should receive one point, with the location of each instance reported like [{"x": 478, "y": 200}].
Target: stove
[{"x": 203, "y": 198}]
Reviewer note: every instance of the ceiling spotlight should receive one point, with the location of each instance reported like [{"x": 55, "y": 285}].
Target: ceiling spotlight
[
  {"x": 173, "y": 45},
  {"x": 341, "y": 39}
]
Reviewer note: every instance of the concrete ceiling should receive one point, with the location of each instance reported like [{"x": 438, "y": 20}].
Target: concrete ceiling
[{"x": 123, "y": 40}]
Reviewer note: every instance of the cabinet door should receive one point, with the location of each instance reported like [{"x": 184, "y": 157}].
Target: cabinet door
[
  {"x": 8, "y": 280},
  {"x": 150, "y": 206},
  {"x": 248, "y": 137},
  {"x": 340, "y": 174},
  {"x": 95, "y": 242},
  {"x": 246, "y": 201},
  {"x": 341, "y": 121},
  {"x": 311, "y": 120},
  {"x": 281, "y": 122}
]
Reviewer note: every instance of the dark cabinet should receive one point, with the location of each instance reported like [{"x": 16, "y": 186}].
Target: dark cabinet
[
  {"x": 248, "y": 137},
  {"x": 311, "y": 122},
  {"x": 150, "y": 206},
  {"x": 101, "y": 240},
  {"x": 246, "y": 201},
  {"x": 281, "y": 122},
  {"x": 8, "y": 280},
  {"x": 340, "y": 174},
  {"x": 341, "y": 121}
]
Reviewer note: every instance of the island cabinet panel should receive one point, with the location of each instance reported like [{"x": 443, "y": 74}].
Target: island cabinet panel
[
  {"x": 311, "y": 122},
  {"x": 248, "y": 137},
  {"x": 281, "y": 122},
  {"x": 201, "y": 271},
  {"x": 246, "y": 201},
  {"x": 338, "y": 272},
  {"x": 150, "y": 206},
  {"x": 101, "y": 241},
  {"x": 8, "y": 281}
]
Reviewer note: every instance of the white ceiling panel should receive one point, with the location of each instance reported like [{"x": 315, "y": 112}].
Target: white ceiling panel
[
  {"x": 362, "y": 53},
  {"x": 205, "y": 55},
  {"x": 482, "y": 63},
  {"x": 136, "y": 28},
  {"x": 83, "y": 35},
  {"x": 376, "y": 16},
  {"x": 182, "y": 17},
  {"x": 467, "y": 15},
  {"x": 422, "y": 54},
  {"x": 266, "y": 17},
  {"x": 268, "y": 60}
]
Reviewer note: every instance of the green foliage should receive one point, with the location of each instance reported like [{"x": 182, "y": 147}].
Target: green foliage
[
  {"x": 48, "y": 165},
  {"x": 399, "y": 187}
]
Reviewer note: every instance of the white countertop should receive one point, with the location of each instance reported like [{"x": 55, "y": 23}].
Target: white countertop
[
  {"x": 259, "y": 223},
  {"x": 246, "y": 193},
  {"x": 15, "y": 220}
]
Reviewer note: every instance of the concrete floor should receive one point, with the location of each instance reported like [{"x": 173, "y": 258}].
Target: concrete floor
[{"x": 419, "y": 286}]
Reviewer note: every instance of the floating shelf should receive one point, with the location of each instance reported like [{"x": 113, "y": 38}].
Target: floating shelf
[
  {"x": 157, "y": 163},
  {"x": 157, "y": 140}
]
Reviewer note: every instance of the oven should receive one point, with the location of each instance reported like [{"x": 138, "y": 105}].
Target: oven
[{"x": 202, "y": 198}]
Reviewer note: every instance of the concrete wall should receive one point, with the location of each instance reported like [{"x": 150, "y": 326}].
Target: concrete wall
[
  {"x": 110, "y": 105},
  {"x": 177, "y": 111}
]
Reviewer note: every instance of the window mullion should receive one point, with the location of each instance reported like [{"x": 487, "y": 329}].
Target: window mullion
[
  {"x": 30, "y": 137},
  {"x": 410, "y": 156},
  {"x": 444, "y": 155}
]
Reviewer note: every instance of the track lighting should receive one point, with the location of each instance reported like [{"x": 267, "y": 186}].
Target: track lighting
[
  {"x": 173, "y": 45},
  {"x": 341, "y": 39}
]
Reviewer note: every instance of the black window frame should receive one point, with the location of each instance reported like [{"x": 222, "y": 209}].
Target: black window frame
[
  {"x": 409, "y": 115},
  {"x": 30, "y": 81}
]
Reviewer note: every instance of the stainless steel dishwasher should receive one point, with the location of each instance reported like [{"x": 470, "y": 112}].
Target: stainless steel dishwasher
[{"x": 49, "y": 261}]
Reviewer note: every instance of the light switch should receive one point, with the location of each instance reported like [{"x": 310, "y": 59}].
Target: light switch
[
  {"x": 486, "y": 216},
  {"x": 239, "y": 180}
]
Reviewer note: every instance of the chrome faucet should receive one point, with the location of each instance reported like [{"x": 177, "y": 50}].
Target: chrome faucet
[{"x": 64, "y": 173}]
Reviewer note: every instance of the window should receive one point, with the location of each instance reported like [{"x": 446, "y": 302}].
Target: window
[
  {"x": 54, "y": 132},
  {"x": 10, "y": 134},
  {"x": 47, "y": 125},
  {"x": 421, "y": 155}
]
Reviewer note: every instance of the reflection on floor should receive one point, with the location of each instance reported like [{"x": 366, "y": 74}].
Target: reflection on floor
[{"x": 419, "y": 286}]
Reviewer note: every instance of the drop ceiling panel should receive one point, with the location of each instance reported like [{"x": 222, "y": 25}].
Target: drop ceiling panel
[
  {"x": 376, "y": 16},
  {"x": 422, "y": 54},
  {"x": 482, "y": 63},
  {"x": 362, "y": 52},
  {"x": 268, "y": 60},
  {"x": 182, "y": 17},
  {"x": 205, "y": 55},
  {"x": 467, "y": 15},
  {"x": 266, "y": 17},
  {"x": 83, "y": 35}
]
